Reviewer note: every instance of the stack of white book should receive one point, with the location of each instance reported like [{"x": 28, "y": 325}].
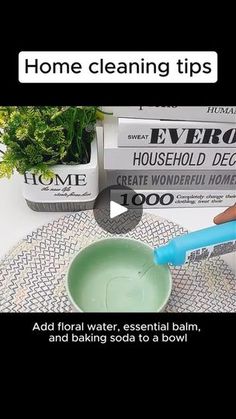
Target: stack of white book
[{"x": 172, "y": 157}]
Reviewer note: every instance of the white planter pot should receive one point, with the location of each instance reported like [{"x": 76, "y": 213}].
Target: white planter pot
[{"x": 74, "y": 187}]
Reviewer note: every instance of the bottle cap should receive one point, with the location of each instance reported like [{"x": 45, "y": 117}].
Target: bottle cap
[{"x": 163, "y": 255}]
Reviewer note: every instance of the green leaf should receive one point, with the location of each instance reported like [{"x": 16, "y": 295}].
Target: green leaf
[
  {"x": 39, "y": 137},
  {"x": 6, "y": 169}
]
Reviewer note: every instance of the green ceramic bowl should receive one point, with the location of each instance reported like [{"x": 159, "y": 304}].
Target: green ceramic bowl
[{"x": 118, "y": 275}]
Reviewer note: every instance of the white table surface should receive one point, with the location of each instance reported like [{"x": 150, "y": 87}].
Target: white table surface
[{"x": 17, "y": 220}]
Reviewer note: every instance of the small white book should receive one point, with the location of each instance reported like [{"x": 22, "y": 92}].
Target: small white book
[
  {"x": 173, "y": 180},
  {"x": 169, "y": 159},
  {"x": 156, "y": 133},
  {"x": 173, "y": 199}
]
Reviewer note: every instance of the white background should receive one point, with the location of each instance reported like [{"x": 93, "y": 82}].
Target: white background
[{"x": 85, "y": 58}]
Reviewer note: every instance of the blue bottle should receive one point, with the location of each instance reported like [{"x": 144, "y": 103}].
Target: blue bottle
[{"x": 199, "y": 245}]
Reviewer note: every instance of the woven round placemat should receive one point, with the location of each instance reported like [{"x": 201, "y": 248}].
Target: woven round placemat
[{"x": 32, "y": 275}]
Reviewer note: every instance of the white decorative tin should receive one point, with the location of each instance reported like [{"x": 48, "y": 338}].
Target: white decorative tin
[{"x": 73, "y": 188}]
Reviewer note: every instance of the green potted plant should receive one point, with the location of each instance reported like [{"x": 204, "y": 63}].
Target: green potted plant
[{"x": 55, "y": 150}]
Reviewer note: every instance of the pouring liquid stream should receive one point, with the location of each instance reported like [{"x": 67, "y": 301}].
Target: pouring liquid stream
[{"x": 130, "y": 291}]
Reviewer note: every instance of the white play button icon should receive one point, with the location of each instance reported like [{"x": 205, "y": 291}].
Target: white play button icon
[
  {"x": 111, "y": 215},
  {"x": 116, "y": 209}
]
